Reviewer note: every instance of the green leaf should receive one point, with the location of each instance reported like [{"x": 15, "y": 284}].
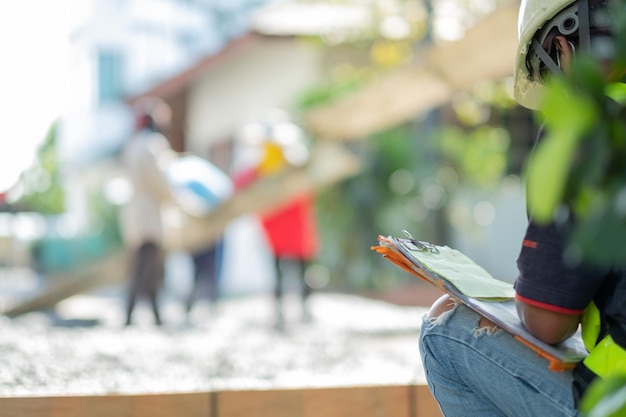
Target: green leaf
[
  {"x": 616, "y": 91},
  {"x": 605, "y": 398},
  {"x": 568, "y": 118}
]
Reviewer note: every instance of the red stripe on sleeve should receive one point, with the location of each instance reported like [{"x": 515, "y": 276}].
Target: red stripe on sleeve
[
  {"x": 529, "y": 244},
  {"x": 549, "y": 307}
]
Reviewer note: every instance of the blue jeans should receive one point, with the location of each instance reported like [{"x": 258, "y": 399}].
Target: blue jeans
[{"x": 476, "y": 372}]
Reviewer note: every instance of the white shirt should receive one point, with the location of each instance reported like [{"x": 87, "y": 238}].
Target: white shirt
[{"x": 141, "y": 218}]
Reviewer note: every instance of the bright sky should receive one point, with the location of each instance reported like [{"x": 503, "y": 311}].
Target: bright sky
[{"x": 33, "y": 78}]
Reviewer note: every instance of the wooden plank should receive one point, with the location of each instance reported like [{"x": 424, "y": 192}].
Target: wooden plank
[
  {"x": 111, "y": 269},
  {"x": 374, "y": 401},
  {"x": 362, "y": 401},
  {"x": 259, "y": 403},
  {"x": 486, "y": 52},
  {"x": 156, "y": 405},
  {"x": 426, "y": 406},
  {"x": 395, "y": 98},
  {"x": 330, "y": 163}
]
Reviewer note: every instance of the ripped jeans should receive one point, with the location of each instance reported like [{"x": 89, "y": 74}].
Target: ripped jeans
[{"x": 476, "y": 372}]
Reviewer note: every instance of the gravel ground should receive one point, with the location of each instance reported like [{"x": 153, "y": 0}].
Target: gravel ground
[{"x": 350, "y": 341}]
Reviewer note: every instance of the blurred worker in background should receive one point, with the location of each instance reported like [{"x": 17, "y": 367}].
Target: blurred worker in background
[
  {"x": 291, "y": 227},
  {"x": 142, "y": 227},
  {"x": 200, "y": 187}
]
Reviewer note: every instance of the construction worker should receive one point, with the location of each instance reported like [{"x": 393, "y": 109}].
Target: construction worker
[
  {"x": 290, "y": 229},
  {"x": 472, "y": 367},
  {"x": 141, "y": 221}
]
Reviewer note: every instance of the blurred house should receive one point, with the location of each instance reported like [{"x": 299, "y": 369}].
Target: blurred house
[
  {"x": 124, "y": 49},
  {"x": 203, "y": 58}
]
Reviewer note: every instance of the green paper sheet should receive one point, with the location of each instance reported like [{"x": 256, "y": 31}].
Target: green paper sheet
[{"x": 468, "y": 277}]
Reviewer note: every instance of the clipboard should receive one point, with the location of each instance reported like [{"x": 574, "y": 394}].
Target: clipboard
[{"x": 415, "y": 257}]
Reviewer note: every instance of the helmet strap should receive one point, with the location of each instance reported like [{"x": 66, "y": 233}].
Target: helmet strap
[
  {"x": 584, "y": 36},
  {"x": 545, "y": 57}
]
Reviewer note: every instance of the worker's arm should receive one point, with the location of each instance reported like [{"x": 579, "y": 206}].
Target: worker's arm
[{"x": 548, "y": 326}]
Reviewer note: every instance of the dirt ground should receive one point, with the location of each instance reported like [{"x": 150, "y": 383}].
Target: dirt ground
[{"x": 85, "y": 349}]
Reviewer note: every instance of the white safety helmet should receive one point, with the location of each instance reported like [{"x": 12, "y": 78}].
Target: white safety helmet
[{"x": 536, "y": 20}]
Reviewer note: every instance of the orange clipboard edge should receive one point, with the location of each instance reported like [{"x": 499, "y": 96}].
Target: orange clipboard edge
[
  {"x": 400, "y": 261},
  {"x": 555, "y": 364}
]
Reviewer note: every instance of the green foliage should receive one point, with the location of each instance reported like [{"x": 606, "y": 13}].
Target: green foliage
[
  {"x": 550, "y": 166},
  {"x": 579, "y": 165},
  {"x": 410, "y": 169},
  {"x": 42, "y": 190},
  {"x": 354, "y": 212},
  {"x": 479, "y": 156},
  {"x": 605, "y": 398},
  {"x": 320, "y": 95}
]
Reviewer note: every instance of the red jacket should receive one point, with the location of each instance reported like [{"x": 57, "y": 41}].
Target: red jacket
[{"x": 291, "y": 230}]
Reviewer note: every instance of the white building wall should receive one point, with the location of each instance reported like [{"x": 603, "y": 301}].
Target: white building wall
[{"x": 243, "y": 87}]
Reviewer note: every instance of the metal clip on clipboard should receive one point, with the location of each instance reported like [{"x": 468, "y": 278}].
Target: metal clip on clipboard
[{"x": 419, "y": 245}]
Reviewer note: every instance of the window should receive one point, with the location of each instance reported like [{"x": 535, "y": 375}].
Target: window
[{"x": 109, "y": 76}]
